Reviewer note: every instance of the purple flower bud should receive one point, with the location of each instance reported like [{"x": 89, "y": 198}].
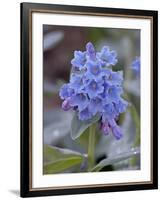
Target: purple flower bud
[
  {"x": 112, "y": 123},
  {"x": 117, "y": 132},
  {"x": 91, "y": 50},
  {"x": 105, "y": 128},
  {"x": 66, "y": 105}
]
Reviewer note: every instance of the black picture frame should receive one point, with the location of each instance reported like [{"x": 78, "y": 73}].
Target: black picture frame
[{"x": 26, "y": 108}]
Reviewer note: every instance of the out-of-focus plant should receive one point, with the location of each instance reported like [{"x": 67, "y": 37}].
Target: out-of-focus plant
[{"x": 136, "y": 66}]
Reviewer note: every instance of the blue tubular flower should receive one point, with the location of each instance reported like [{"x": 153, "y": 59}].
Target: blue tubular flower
[
  {"x": 79, "y": 59},
  {"x": 109, "y": 112},
  {"x": 111, "y": 126},
  {"x": 115, "y": 78},
  {"x": 95, "y": 106},
  {"x": 95, "y": 89},
  {"x": 116, "y": 130},
  {"x": 121, "y": 106},
  {"x": 112, "y": 93},
  {"x": 93, "y": 69},
  {"x": 80, "y": 100},
  {"x": 66, "y": 91},
  {"x": 107, "y": 57},
  {"x": 76, "y": 82},
  {"x": 136, "y": 65}
]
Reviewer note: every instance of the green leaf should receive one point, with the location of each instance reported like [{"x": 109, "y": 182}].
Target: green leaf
[
  {"x": 78, "y": 126},
  {"x": 58, "y": 160},
  {"x": 116, "y": 158}
]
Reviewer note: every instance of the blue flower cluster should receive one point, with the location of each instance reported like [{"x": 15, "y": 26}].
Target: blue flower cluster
[
  {"x": 94, "y": 88},
  {"x": 136, "y": 65}
]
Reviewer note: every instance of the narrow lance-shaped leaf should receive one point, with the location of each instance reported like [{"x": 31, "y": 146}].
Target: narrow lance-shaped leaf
[
  {"x": 58, "y": 160},
  {"x": 116, "y": 158}
]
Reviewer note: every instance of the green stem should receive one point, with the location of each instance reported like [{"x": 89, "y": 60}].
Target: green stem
[{"x": 91, "y": 147}]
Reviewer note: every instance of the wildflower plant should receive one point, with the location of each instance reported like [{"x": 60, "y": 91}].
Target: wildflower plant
[
  {"x": 94, "y": 93},
  {"x": 95, "y": 89}
]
